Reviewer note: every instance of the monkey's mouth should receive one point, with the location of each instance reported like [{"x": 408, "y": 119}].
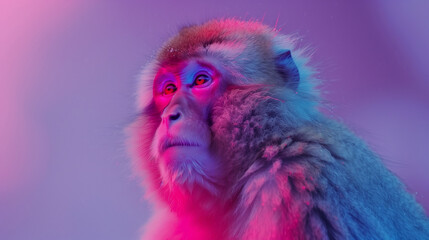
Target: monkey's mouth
[{"x": 176, "y": 142}]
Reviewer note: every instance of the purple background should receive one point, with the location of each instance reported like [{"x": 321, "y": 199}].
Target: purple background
[{"x": 68, "y": 73}]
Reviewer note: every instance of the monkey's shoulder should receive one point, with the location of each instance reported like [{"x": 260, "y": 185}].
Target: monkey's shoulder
[{"x": 325, "y": 178}]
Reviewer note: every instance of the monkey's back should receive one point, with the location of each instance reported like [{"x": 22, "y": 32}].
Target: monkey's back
[
  {"x": 369, "y": 201},
  {"x": 309, "y": 173}
]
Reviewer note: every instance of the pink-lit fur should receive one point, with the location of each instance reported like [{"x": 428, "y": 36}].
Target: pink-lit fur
[{"x": 268, "y": 164}]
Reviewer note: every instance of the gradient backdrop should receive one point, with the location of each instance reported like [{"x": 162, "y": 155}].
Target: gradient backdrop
[{"x": 68, "y": 73}]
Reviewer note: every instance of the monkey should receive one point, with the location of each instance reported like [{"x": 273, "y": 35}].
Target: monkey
[{"x": 232, "y": 145}]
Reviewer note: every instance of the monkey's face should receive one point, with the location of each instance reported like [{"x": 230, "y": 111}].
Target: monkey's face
[
  {"x": 184, "y": 93},
  {"x": 174, "y": 139}
]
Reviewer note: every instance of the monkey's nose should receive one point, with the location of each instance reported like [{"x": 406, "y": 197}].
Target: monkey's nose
[{"x": 172, "y": 115}]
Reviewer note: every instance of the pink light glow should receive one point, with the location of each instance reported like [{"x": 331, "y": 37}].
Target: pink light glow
[{"x": 67, "y": 78}]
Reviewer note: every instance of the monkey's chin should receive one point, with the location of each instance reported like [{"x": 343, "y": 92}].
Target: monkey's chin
[{"x": 188, "y": 167}]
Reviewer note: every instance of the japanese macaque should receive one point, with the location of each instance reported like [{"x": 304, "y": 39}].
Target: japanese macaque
[{"x": 232, "y": 146}]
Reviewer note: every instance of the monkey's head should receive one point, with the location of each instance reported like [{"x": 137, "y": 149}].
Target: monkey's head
[{"x": 176, "y": 140}]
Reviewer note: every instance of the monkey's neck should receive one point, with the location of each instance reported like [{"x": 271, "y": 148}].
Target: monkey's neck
[
  {"x": 201, "y": 213},
  {"x": 190, "y": 198}
]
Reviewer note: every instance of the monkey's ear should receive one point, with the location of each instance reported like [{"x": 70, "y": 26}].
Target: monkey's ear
[{"x": 288, "y": 69}]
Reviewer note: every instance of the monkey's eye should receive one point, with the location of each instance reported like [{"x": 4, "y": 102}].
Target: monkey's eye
[
  {"x": 201, "y": 80},
  {"x": 169, "y": 89}
]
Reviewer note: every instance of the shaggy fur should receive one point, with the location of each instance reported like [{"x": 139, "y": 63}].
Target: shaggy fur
[
  {"x": 307, "y": 178},
  {"x": 288, "y": 172}
]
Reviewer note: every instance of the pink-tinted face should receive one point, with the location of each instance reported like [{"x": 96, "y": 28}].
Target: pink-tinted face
[
  {"x": 183, "y": 94},
  {"x": 195, "y": 79}
]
